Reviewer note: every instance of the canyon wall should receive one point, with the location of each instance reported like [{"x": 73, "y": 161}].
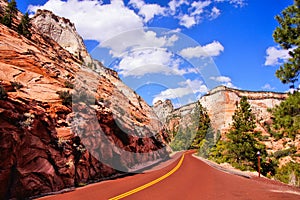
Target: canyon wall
[{"x": 62, "y": 124}]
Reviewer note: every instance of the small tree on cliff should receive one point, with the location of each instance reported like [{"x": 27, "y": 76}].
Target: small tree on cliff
[
  {"x": 10, "y": 12},
  {"x": 24, "y": 26}
]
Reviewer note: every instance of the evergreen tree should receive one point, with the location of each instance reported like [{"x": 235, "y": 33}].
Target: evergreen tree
[
  {"x": 24, "y": 26},
  {"x": 286, "y": 116},
  {"x": 242, "y": 144},
  {"x": 202, "y": 124},
  {"x": 10, "y": 12},
  {"x": 287, "y": 35}
]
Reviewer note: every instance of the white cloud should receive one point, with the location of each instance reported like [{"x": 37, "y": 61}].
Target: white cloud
[
  {"x": 236, "y": 3},
  {"x": 197, "y": 7},
  {"x": 215, "y": 12},
  {"x": 212, "y": 49},
  {"x": 187, "y": 21},
  {"x": 136, "y": 39},
  {"x": 147, "y": 61},
  {"x": 175, "y": 4},
  {"x": 148, "y": 11},
  {"x": 188, "y": 87},
  {"x": 93, "y": 20},
  {"x": 276, "y": 55},
  {"x": 267, "y": 86},
  {"x": 221, "y": 79}
]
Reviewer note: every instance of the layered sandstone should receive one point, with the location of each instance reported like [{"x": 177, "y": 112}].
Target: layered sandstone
[
  {"x": 220, "y": 104},
  {"x": 47, "y": 146}
]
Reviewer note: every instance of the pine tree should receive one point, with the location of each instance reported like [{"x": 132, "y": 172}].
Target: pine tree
[
  {"x": 24, "y": 26},
  {"x": 202, "y": 124},
  {"x": 10, "y": 12},
  {"x": 242, "y": 144},
  {"x": 286, "y": 116},
  {"x": 287, "y": 35}
]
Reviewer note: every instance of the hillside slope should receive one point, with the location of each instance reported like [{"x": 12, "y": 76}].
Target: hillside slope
[{"x": 46, "y": 143}]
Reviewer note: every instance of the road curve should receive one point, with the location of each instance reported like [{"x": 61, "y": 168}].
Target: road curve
[{"x": 192, "y": 180}]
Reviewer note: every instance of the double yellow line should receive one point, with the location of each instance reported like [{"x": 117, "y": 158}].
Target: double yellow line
[{"x": 150, "y": 183}]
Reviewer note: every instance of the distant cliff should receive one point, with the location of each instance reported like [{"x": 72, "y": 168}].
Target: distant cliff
[{"x": 220, "y": 103}]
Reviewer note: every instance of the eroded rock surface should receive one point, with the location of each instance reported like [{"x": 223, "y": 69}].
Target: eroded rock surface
[{"x": 47, "y": 146}]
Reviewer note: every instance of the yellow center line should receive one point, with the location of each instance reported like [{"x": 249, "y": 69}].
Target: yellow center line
[{"x": 150, "y": 183}]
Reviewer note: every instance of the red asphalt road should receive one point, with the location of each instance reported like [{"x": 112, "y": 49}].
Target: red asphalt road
[{"x": 193, "y": 180}]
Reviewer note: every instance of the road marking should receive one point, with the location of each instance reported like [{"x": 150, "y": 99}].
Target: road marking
[{"x": 150, "y": 183}]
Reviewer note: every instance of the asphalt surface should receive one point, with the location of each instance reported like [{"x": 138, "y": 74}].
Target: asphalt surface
[{"x": 193, "y": 179}]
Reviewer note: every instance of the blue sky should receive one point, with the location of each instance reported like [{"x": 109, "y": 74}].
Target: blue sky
[{"x": 179, "y": 49}]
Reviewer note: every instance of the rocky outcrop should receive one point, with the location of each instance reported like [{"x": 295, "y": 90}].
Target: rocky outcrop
[
  {"x": 62, "y": 31},
  {"x": 163, "y": 109},
  {"x": 220, "y": 104},
  {"x": 48, "y": 144}
]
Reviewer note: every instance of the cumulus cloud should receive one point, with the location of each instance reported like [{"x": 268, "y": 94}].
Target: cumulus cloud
[
  {"x": 150, "y": 61},
  {"x": 212, "y": 49},
  {"x": 223, "y": 80},
  {"x": 188, "y": 87},
  {"x": 136, "y": 39},
  {"x": 147, "y": 11},
  {"x": 91, "y": 17},
  {"x": 215, "y": 12},
  {"x": 275, "y": 56},
  {"x": 175, "y": 4},
  {"x": 187, "y": 21},
  {"x": 197, "y": 7}
]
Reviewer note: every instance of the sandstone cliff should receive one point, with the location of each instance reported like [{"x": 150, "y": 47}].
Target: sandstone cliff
[
  {"x": 62, "y": 31},
  {"x": 48, "y": 145},
  {"x": 221, "y": 104}
]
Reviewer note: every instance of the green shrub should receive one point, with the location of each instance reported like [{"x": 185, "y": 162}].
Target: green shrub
[
  {"x": 16, "y": 85},
  {"x": 3, "y": 93},
  {"x": 68, "y": 84},
  {"x": 24, "y": 26},
  {"x": 66, "y": 97},
  {"x": 289, "y": 173},
  {"x": 285, "y": 152}
]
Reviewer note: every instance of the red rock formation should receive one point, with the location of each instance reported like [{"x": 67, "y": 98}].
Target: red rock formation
[{"x": 46, "y": 146}]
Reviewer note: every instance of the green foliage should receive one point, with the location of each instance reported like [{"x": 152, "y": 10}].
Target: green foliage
[
  {"x": 287, "y": 35},
  {"x": 16, "y": 85},
  {"x": 202, "y": 123},
  {"x": 3, "y": 93},
  {"x": 24, "y": 26},
  {"x": 10, "y": 12},
  {"x": 68, "y": 84},
  {"x": 66, "y": 97},
  {"x": 182, "y": 139},
  {"x": 285, "y": 152},
  {"x": 208, "y": 143},
  {"x": 191, "y": 137},
  {"x": 82, "y": 95},
  {"x": 242, "y": 144},
  {"x": 219, "y": 152},
  {"x": 286, "y": 116},
  {"x": 289, "y": 173}
]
